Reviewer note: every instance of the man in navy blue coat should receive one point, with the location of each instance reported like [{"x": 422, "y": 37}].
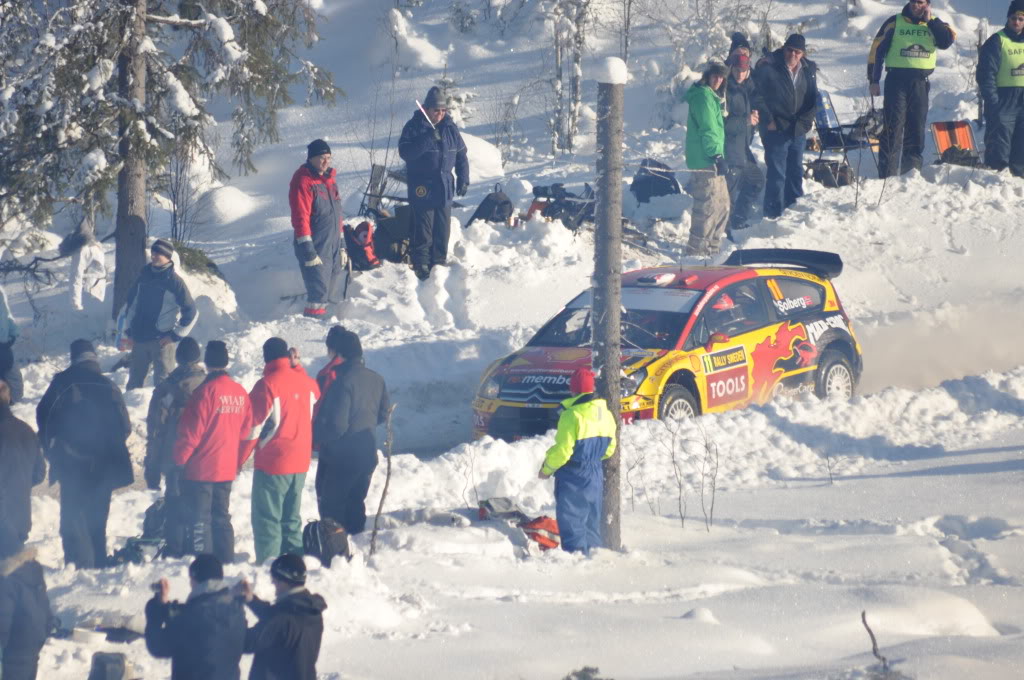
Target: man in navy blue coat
[{"x": 432, "y": 147}]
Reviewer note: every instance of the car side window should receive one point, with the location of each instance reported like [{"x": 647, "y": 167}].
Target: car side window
[
  {"x": 737, "y": 309},
  {"x": 793, "y": 297}
]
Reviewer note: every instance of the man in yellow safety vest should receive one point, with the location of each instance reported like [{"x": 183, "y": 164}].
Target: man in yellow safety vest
[{"x": 1001, "y": 83}]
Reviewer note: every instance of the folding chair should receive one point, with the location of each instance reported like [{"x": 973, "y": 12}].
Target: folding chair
[
  {"x": 954, "y": 143},
  {"x": 835, "y": 137}
]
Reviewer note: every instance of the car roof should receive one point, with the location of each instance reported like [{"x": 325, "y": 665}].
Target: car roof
[{"x": 689, "y": 277}]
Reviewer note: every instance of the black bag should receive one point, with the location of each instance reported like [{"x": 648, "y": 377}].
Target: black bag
[
  {"x": 654, "y": 178},
  {"x": 832, "y": 174},
  {"x": 391, "y": 239},
  {"x": 955, "y": 155},
  {"x": 325, "y": 539},
  {"x": 566, "y": 206},
  {"x": 139, "y": 551},
  {"x": 109, "y": 666},
  {"x": 154, "y": 522},
  {"x": 496, "y": 207}
]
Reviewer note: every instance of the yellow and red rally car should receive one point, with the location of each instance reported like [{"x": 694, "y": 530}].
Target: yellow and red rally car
[{"x": 694, "y": 340}]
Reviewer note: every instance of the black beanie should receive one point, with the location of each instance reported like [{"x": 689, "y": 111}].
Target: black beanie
[
  {"x": 206, "y": 567},
  {"x": 797, "y": 42},
  {"x": 1015, "y": 6},
  {"x": 187, "y": 351},
  {"x": 349, "y": 346},
  {"x": 290, "y": 569},
  {"x": 333, "y": 341},
  {"x": 434, "y": 100},
  {"x": 216, "y": 354},
  {"x": 317, "y": 147},
  {"x": 82, "y": 350},
  {"x": 163, "y": 247},
  {"x": 738, "y": 40},
  {"x": 274, "y": 348}
]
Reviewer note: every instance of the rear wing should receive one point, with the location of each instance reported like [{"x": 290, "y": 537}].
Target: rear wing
[{"x": 824, "y": 264}]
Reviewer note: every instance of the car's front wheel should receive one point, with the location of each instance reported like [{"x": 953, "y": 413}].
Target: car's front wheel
[
  {"x": 677, "y": 403},
  {"x": 834, "y": 378}
]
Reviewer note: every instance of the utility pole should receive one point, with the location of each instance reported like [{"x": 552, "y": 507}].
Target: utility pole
[{"x": 607, "y": 280}]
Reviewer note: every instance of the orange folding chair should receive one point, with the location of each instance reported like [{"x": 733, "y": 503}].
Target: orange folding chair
[{"x": 954, "y": 143}]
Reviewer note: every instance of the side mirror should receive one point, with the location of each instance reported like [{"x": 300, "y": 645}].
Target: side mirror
[{"x": 716, "y": 339}]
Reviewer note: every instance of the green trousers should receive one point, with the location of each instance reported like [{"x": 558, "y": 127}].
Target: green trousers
[{"x": 276, "y": 514}]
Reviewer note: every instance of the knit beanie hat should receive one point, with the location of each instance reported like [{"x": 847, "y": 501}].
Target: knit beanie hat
[
  {"x": 274, "y": 348},
  {"x": 434, "y": 99},
  {"x": 163, "y": 247},
  {"x": 317, "y": 147},
  {"x": 206, "y": 567},
  {"x": 333, "y": 341},
  {"x": 187, "y": 351},
  {"x": 581, "y": 381},
  {"x": 290, "y": 569},
  {"x": 715, "y": 68},
  {"x": 216, "y": 354},
  {"x": 738, "y": 40},
  {"x": 82, "y": 350},
  {"x": 797, "y": 42},
  {"x": 349, "y": 346},
  {"x": 1015, "y": 6}
]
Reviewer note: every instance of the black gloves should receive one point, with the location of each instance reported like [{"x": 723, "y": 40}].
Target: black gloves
[
  {"x": 721, "y": 168},
  {"x": 461, "y": 187}
]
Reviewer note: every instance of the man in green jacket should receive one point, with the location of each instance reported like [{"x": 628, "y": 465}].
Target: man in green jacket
[
  {"x": 705, "y": 146},
  {"x": 585, "y": 437}
]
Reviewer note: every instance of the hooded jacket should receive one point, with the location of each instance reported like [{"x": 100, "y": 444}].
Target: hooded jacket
[
  {"x": 705, "y": 127},
  {"x": 286, "y": 640},
  {"x": 204, "y": 638},
  {"x": 429, "y": 160},
  {"x": 741, "y": 100},
  {"x": 790, "y": 107},
  {"x": 282, "y": 406},
  {"x": 585, "y": 437},
  {"x": 165, "y": 409},
  {"x": 157, "y": 302},
  {"x": 25, "y": 614},
  {"x": 213, "y": 431},
  {"x": 21, "y": 467}
]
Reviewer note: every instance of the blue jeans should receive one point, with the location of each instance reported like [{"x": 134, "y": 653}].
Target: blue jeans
[{"x": 783, "y": 155}]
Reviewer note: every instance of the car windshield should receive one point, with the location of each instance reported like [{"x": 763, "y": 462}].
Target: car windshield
[{"x": 653, "y": 318}]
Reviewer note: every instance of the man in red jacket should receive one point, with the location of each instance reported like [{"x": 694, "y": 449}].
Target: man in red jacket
[
  {"x": 282, "y": 406},
  {"x": 317, "y": 221},
  {"x": 212, "y": 444}
]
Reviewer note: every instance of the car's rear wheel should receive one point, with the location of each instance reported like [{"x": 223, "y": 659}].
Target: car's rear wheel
[
  {"x": 677, "y": 403},
  {"x": 834, "y": 378}
]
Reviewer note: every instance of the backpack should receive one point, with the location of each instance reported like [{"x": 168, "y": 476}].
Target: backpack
[
  {"x": 654, "y": 178},
  {"x": 832, "y": 174},
  {"x": 110, "y": 666},
  {"x": 325, "y": 539},
  {"x": 359, "y": 246},
  {"x": 496, "y": 207},
  {"x": 543, "y": 530},
  {"x": 154, "y": 522},
  {"x": 391, "y": 238}
]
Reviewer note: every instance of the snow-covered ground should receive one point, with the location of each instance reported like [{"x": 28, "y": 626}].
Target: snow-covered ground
[{"x": 905, "y": 502}]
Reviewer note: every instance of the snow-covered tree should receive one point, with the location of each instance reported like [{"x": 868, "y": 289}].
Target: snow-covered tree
[
  {"x": 456, "y": 99},
  {"x": 94, "y": 94}
]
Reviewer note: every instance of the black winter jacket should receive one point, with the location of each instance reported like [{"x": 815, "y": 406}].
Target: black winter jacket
[
  {"x": 286, "y": 640},
  {"x": 429, "y": 161},
  {"x": 21, "y": 467},
  {"x": 355, "y": 403},
  {"x": 997, "y": 98},
  {"x": 25, "y": 614},
  {"x": 204, "y": 638},
  {"x": 10, "y": 373},
  {"x": 153, "y": 306},
  {"x": 165, "y": 407},
  {"x": 791, "y": 108},
  {"x": 740, "y": 100},
  {"x": 83, "y": 425}
]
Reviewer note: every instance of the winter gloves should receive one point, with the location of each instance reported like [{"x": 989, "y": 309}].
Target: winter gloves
[
  {"x": 721, "y": 167},
  {"x": 315, "y": 262},
  {"x": 307, "y": 252},
  {"x": 461, "y": 187}
]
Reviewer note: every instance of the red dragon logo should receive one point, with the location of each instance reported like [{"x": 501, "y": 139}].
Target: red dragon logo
[{"x": 772, "y": 357}]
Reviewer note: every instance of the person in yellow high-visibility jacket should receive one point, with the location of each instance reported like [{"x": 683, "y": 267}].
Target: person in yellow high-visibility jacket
[{"x": 585, "y": 437}]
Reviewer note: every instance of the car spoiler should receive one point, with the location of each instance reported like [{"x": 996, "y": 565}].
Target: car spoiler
[{"x": 824, "y": 264}]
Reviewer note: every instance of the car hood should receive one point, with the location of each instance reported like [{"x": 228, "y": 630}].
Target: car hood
[{"x": 562, "y": 361}]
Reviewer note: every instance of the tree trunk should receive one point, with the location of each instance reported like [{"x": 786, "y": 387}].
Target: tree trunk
[
  {"x": 579, "y": 40},
  {"x": 131, "y": 229},
  {"x": 607, "y": 288},
  {"x": 558, "y": 122}
]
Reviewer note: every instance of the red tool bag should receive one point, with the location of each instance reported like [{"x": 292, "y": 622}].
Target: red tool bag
[{"x": 543, "y": 530}]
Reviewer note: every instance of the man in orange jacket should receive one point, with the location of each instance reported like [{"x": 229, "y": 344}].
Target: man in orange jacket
[
  {"x": 213, "y": 443},
  {"x": 282, "y": 405}
]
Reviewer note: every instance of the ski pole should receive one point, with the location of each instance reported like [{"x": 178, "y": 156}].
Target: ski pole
[{"x": 424, "y": 112}]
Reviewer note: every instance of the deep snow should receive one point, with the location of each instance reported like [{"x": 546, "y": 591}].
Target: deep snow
[{"x": 920, "y": 525}]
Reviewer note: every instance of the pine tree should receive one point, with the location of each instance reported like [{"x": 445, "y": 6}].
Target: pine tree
[{"x": 94, "y": 94}]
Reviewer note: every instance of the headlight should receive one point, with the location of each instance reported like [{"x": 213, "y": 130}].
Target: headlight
[
  {"x": 629, "y": 384},
  {"x": 490, "y": 389}
]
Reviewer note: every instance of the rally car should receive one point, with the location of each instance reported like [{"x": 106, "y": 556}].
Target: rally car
[{"x": 694, "y": 340}]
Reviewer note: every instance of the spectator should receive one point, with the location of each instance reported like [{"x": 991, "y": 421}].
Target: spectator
[
  {"x": 1001, "y": 83},
  {"x": 83, "y": 425},
  {"x": 282, "y": 406},
  {"x": 906, "y": 44},
  {"x": 158, "y": 313},
  {"x": 585, "y": 437},
  {"x": 705, "y": 146},
  {"x": 10, "y": 373},
  {"x": 745, "y": 179},
  {"x": 787, "y": 84},
  {"x": 21, "y": 467},
  {"x": 165, "y": 409},
  {"x": 432, "y": 147},
  {"x": 355, "y": 403},
  {"x": 286, "y": 639},
  {"x": 211, "y": 447},
  {"x": 25, "y": 614},
  {"x": 317, "y": 221},
  {"x": 205, "y": 637}
]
